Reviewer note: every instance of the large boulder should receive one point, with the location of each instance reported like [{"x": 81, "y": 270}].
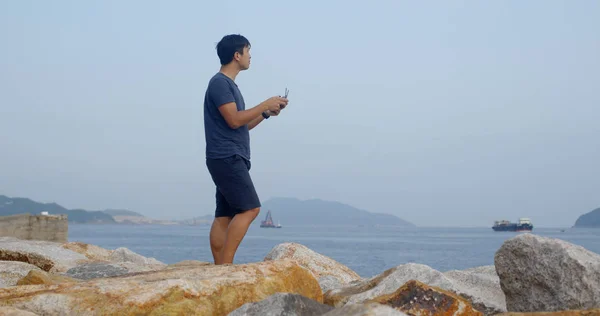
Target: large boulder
[
  {"x": 59, "y": 258},
  {"x": 368, "y": 309},
  {"x": 327, "y": 271},
  {"x": 12, "y": 271},
  {"x": 386, "y": 283},
  {"x": 283, "y": 304},
  {"x": 479, "y": 285},
  {"x": 46, "y": 255},
  {"x": 545, "y": 274},
  {"x": 416, "y": 298},
  {"x": 186, "y": 290}
]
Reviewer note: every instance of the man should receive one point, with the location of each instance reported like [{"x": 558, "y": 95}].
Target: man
[{"x": 226, "y": 126}]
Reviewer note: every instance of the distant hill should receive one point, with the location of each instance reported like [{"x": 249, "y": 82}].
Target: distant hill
[
  {"x": 591, "y": 219},
  {"x": 293, "y": 212},
  {"x": 12, "y": 206},
  {"x": 200, "y": 220},
  {"x": 122, "y": 213}
]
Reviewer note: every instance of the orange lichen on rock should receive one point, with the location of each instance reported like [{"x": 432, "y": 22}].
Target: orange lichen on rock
[
  {"x": 185, "y": 290},
  {"x": 419, "y": 299}
]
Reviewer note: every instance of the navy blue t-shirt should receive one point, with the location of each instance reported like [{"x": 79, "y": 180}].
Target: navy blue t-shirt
[{"x": 221, "y": 140}]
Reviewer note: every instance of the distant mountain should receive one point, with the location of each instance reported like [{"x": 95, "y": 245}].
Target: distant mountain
[
  {"x": 83, "y": 216},
  {"x": 122, "y": 213},
  {"x": 12, "y": 206},
  {"x": 591, "y": 219},
  {"x": 292, "y": 212}
]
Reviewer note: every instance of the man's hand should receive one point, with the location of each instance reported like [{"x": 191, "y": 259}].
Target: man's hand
[
  {"x": 274, "y": 106},
  {"x": 276, "y": 103},
  {"x": 273, "y": 113}
]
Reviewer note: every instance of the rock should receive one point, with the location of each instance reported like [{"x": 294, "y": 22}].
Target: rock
[
  {"x": 96, "y": 270},
  {"x": 329, "y": 282},
  {"x": 545, "y": 274},
  {"x": 369, "y": 309},
  {"x": 187, "y": 263},
  {"x": 386, "y": 283},
  {"x": 119, "y": 255},
  {"x": 189, "y": 290},
  {"x": 320, "y": 265},
  {"x": 121, "y": 259},
  {"x": 12, "y": 271},
  {"x": 126, "y": 255},
  {"x": 283, "y": 304},
  {"x": 46, "y": 255},
  {"x": 43, "y": 277},
  {"x": 589, "y": 312},
  {"x": 481, "y": 286},
  {"x": 416, "y": 298},
  {"x": 91, "y": 252},
  {"x": 11, "y": 311}
]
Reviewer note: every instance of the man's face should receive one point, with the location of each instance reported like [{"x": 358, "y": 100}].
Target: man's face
[{"x": 244, "y": 59}]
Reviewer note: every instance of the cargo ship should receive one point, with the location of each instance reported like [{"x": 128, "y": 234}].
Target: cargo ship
[
  {"x": 268, "y": 222},
  {"x": 523, "y": 225}
]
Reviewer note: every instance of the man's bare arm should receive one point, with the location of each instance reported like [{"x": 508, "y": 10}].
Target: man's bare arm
[
  {"x": 255, "y": 122},
  {"x": 235, "y": 119}
]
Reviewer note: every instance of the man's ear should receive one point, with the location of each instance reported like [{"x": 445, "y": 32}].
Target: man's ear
[{"x": 237, "y": 56}]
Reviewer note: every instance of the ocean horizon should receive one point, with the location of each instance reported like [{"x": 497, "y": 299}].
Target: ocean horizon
[{"x": 368, "y": 250}]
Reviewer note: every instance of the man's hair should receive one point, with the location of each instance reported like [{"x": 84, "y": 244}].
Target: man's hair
[{"x": 230, "y": 44}]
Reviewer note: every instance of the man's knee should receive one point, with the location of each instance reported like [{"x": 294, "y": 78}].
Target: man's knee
[{"x": 253, "y": 212}]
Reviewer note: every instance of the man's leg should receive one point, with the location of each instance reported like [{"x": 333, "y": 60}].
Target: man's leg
[
  {"x": 218, "y": 231},
  {"x": 232, "y": 177},
  {"x": 236, "y": 232},
  {"x": 223, "y": 216}
]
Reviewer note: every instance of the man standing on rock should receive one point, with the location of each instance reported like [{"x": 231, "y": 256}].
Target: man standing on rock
[{"x": 226, "y": 125}]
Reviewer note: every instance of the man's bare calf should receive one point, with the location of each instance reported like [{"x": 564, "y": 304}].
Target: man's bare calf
[{"x": 227, "y": 233}]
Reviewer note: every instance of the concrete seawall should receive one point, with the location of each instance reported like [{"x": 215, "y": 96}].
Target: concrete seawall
[{"x": 35, "y": 227}]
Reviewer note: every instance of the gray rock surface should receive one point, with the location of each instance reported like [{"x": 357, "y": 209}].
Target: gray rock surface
[
  {"x": 283, "y": 304},
  {"x": 480, "y": 286},
  {"x": 388, "y": 282},
  {"x": 546, "y": 274},
  {"x": 126, "y": 255},
  {"x": 92, "y": 252},
  {"x": 322, "y": 267},
  {"x": 55, "y": 257},
  {"x": 13, "y": 271},
  {"x": 11, "y": 311},
  {"x": 96, "y": 270},
  {"x": 46, "y": 255},
  {"x": 189, "y": 263},
  {"x": 369, "y": 309},
  {"x": 329, "y": 282}
]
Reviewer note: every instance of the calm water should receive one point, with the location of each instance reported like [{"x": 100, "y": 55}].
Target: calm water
[{"x": 366, "y": 250}]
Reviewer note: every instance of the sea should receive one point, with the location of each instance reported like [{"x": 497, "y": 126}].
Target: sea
[{"x": 367, "y": 250}]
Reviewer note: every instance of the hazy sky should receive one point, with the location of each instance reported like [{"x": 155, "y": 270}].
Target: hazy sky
[{"x": 441, "y": 112}]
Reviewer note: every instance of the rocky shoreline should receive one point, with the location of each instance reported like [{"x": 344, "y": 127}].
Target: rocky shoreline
[{"x": 532, "y": 275}]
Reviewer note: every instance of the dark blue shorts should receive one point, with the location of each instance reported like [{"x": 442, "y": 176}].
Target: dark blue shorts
[{"x": 235, "y": 190}]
